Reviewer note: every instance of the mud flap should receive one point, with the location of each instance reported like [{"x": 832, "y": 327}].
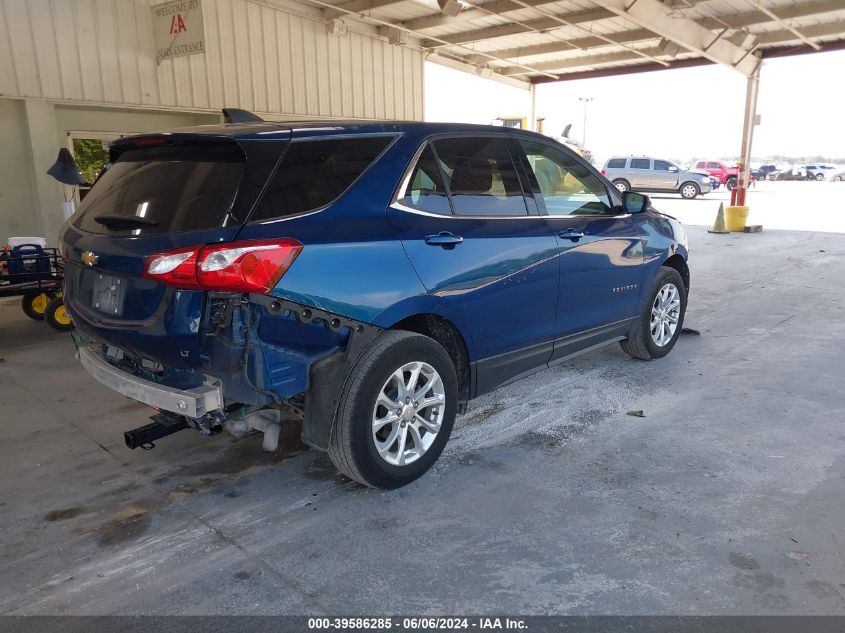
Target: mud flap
[{"x": 327, "y": 376}]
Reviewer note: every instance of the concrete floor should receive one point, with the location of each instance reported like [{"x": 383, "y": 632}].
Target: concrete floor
[{"x": 727, "y": 497}]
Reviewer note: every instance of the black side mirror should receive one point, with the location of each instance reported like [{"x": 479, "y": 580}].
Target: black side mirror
[{"x": 635, "y": 202}]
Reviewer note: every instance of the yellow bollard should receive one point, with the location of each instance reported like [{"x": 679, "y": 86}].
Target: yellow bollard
[{"x": 735, "y": 218}]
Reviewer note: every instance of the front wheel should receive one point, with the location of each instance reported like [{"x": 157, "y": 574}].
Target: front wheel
[
  {"x": 661, "y": 319},
  {"x": 731, "y": 184},
  {"x": 819, "y": 176},
  {"x": 396, "y": 412},
  {"x": 689, "y": 190}
]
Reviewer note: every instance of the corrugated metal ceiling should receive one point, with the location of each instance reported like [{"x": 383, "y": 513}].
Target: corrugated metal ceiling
[{"x": 538, "y": 40}]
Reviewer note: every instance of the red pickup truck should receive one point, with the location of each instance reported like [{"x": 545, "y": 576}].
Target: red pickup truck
[{"x": 726, "y": 175}]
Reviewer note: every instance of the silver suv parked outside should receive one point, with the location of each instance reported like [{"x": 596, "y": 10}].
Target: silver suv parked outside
[{"x": 643, "y": 173}]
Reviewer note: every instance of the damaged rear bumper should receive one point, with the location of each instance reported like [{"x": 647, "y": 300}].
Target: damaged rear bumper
[{"x": 191, "y": 403}]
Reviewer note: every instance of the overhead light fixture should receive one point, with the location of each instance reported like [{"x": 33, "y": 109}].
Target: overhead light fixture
[
  {"x": 337, "y": 28},
  {"x": 668, "y": 47},
  {"x": 450, "y": 7}
]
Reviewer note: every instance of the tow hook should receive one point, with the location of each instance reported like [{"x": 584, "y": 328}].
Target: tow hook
[{"x": 266, "y": 421}]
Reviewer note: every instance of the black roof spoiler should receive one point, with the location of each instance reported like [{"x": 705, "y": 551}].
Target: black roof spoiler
[{"x": 236, "y": 115}]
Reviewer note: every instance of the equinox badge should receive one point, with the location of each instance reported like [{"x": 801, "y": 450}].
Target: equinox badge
[{"x": 89, "y": 258}]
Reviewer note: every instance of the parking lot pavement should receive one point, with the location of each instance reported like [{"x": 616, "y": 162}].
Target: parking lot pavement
[
  {"x": 787, "y": 205},
  {"x": 725, "y": 498}
]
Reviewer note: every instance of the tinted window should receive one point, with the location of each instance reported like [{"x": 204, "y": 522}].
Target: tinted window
[
  {"x": 312, "y": 174},
  {"x": 662, "y": 165},
  {"x": 425, "y": 188},
  {"x": 480, "y": 176},
  {"x": 713, "y": 166},
  {"x": 640, "y": 163},
  {"x": 568, "y": 187},
  {"x": 170, "y": 188},
  {"x": 616, "y": 163}
]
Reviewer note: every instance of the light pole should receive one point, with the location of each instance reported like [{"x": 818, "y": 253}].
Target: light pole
[{"x": 586, "y": 102}]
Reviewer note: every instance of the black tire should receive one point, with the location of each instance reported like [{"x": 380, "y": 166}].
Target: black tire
[
  {"x": 352, "y": 447},
  {"x": 731, "y": 183},
  {"x": 57, "y": 317},
  {"x": 689, "y": 190},
  {"x": 622, "y": 185},
  {"x": 31, "y": 304},
  {"x": 640, "y": 343},
  {"x": 819, "y": 176}
]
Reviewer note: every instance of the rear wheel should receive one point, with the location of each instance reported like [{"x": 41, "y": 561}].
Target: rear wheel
[
  {"x": 57, "y": 316},
  {"x": 396, "y": 412},
  {"x": 689, "y": 190},
  {"x": 34, "y": 304},
  {"x": 622, "y": 185},
  {"x": 819, "y": 176},
  {"x": 662, "y": 316}
]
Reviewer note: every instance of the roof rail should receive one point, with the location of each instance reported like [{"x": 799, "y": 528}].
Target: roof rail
[{"x": 236, "y": 115}]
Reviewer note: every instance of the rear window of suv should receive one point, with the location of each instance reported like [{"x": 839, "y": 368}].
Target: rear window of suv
[
  {"x": 167, "y": 188},
  {"x": 313, "y": 174},
  {"x": 616, "y": 163}
]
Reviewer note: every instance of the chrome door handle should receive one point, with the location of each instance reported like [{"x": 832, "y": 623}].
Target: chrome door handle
[
  {"x": 445, "y": 239},
  {"x": 571, "y": 234}
]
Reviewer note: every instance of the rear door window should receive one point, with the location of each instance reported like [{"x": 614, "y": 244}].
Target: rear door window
[
  {"x": 165, "y": 189},
  {"x": 481, "y": 176},
  {"x": 640, "y": 163},
  {"x": 313, "y": 174},
  {"x": 426, "y": 190},
  {"x": 616, "y": 163}
]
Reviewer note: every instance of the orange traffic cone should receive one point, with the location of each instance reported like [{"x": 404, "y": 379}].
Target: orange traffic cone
[{"x": 719, "y": 224}]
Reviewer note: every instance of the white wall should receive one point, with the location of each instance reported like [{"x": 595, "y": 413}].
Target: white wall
[{"x": 261, "y": 56}]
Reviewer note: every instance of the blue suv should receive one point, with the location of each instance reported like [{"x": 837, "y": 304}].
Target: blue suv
[{"x": 371, "y": 277}]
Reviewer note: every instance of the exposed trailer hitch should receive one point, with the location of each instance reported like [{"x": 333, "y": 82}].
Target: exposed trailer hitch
[{"x": 162, "y": 425}]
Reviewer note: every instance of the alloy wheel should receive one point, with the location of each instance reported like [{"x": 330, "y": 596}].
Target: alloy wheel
[
  {"x": 665, "y": 314},
  {"x": 408, "y": 413},
  {"x": 689, "y": 191}
]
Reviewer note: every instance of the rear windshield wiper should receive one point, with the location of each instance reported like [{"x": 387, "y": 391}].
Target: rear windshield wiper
[{"x": 120, "y": 221}]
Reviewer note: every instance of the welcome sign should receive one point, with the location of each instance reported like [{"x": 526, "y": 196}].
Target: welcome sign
[{"x": 178, "y": 29}]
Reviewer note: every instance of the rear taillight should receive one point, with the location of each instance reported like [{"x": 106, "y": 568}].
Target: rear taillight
[
  {"x": 248, "y": 266},
  {"x": 604, "y": 172}
]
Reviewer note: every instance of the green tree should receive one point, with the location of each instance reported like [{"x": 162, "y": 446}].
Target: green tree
[{"x": 90, "y": 157}]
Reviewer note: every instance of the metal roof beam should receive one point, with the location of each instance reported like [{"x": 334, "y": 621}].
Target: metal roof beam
[
  {"x": 783, "y": 23},
  {"x": 544, "y": 24},
  {"x": 478, "y": 11},
  {"x": 774, "y": 38},
  {"x": 584, "y": 43},
  {"x": 657, "y": 17},
  {"x": 584, "y": 61},
  {"x": 788, "y": 12},
  {"x": 355, "y": 6},
  {"x": 827, "y": 29}
]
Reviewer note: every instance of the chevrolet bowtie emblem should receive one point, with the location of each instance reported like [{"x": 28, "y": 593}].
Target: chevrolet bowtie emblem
[{"x": 89, "y": 258}]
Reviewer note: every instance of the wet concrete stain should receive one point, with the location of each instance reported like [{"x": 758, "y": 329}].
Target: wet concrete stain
[
  {"x": 484, "y": 413},
  {"x": 242, "y": 575},
  {"x": 239, "y": 456},
  {"x": 63, "y": 515},
  {"x": 126, "y": 525},
  {"x": 320, "y": 468},
  {"x": 743, "y": 561},
  {"x": 822, "y": 589}
]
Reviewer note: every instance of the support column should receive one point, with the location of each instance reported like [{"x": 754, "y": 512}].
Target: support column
[
  {"x": 743, "y": 176},
  {"x": 44, "y": 147}
]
